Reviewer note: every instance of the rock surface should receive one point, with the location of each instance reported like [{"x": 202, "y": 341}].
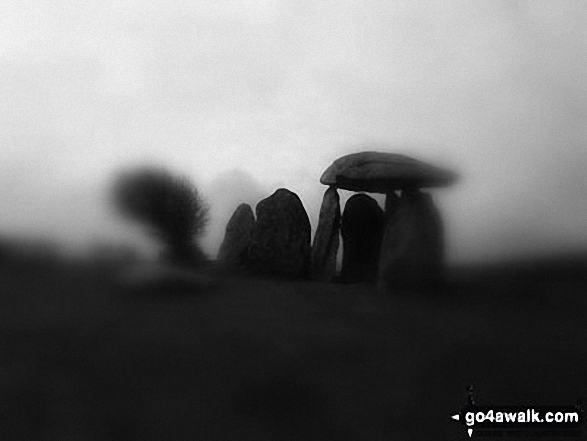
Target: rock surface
[
  {"x": 238, "y": 236},
  {"x": 412, "y": 247},
  {"x": 362, "y": 227},
  {"x": 391, "y": 200},
  {"x": 281, "y": 238},
  {"x": 326, "y": 238},
  {"x": 379, "y": 172}
]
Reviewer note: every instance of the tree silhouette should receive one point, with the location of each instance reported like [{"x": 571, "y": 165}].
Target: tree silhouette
[{"x": 170, "y": 205}]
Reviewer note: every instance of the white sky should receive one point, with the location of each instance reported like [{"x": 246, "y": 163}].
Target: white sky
[{"x": 245, "y": 97}]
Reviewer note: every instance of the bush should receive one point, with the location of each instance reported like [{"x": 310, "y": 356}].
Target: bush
[{"x": 171, "y": 206}]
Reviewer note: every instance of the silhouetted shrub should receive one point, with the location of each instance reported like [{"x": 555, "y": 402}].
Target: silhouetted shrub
[{"x": 170, "y": 205}]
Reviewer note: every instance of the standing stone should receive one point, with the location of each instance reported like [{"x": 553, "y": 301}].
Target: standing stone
[
  {"x": 237, "y": 239},
  {"x": 362, "y": 226},
  {"x": 281, "y": 238},
  {"x": 326, "y": 239},
  {"x": 412, "y": 248}
]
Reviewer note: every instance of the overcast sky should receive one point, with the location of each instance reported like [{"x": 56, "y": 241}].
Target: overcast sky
[{"x": 248, "y": 96}]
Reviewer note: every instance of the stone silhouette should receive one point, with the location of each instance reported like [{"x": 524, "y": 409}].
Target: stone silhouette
[
  {"x": 228, "y": 189},
  {"x": 237, "y": 239},
  {"x": 281, "y": 238},
  {"x": 412, "y": 248},
  {"x": 362, "y": 225},
  {"x": 412, "y": 252},
  {"x": 326, "y": 238},
  {"x": 378, "y": 172}
]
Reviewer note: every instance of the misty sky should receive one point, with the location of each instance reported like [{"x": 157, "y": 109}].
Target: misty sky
[{"x": 249, "y": 96}]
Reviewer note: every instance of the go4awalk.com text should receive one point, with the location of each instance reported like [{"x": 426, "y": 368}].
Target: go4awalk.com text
[{"x": 511, "y": 420}]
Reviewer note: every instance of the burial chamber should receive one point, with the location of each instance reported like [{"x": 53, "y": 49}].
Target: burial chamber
[{"x": 410, "y": 252}]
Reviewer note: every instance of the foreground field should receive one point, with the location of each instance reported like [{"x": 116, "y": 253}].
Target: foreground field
[{"x": 251, "y": 359}]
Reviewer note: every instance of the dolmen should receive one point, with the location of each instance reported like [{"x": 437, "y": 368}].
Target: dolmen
[{"x": 411, "y": 249}]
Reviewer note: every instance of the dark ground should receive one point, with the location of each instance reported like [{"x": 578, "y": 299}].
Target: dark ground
[{"x": 252, "y": 359}]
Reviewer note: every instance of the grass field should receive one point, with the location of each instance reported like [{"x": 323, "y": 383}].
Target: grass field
[{"x": 253, "y": 359}]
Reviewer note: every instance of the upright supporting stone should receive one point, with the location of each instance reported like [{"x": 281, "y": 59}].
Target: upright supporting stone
[
  {"x": 391, "y": 200},
  {"x": 362, "y": 226},
  {"x": 326, "y": 238},
  {"x": 412, "y": 249}
]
